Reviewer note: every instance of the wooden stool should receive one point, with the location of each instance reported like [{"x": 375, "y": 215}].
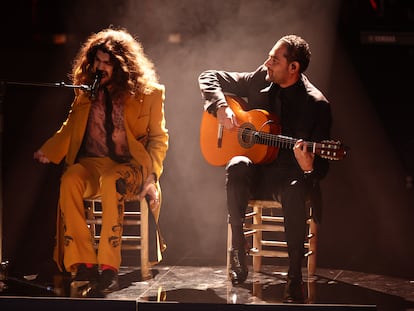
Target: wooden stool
[
  {"x": 135, "y": 218},
  {"x": 264, "y": 218}
]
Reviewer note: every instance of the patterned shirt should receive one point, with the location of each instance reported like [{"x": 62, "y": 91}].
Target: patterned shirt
[{"x": 94, "y": 144}]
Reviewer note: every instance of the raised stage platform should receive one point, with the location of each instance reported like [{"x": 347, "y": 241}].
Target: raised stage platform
[{"x": 207, "y": 288}]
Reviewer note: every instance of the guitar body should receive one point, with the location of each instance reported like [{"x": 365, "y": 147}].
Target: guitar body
[{"x": 219, "y": 145}]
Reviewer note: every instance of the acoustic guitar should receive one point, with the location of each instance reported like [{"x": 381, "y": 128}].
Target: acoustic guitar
[{"x": 258, "y": 137}]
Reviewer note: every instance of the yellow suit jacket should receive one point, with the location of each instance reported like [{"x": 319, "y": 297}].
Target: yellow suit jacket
[{"x": 146, "y": 133}]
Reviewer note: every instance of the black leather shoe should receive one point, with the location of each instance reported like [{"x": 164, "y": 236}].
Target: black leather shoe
[
  {"x": 85, "y": 275},
  {"x": 294, "y": 291},
  {"x": 238, "y": 268},
  {"x": 108, "y": 281}
]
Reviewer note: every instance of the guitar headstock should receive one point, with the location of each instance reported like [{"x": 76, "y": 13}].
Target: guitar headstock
[{"x": 331, "y": 150}]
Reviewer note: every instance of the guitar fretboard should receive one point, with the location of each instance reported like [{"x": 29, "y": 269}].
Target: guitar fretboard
[
  {"x": 274, "y": 140},
  {"x": 326, "y": 149}
]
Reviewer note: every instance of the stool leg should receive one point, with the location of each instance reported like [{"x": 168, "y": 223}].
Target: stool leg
[
  {"x": 91, "y": 220},
  {"x": 257, "y": 238},
  {"x": 311, "y": 291},
  {"x": 229, "y": 235},
  {"x": 313, "y": 238},
  {"x": 145, "y": 267}
]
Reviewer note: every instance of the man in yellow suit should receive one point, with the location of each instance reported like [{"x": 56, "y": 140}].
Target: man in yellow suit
[{"x": 114, "y": 142}]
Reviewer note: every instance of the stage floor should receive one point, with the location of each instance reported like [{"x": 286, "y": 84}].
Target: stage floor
[{"x": 209, "y": 285}]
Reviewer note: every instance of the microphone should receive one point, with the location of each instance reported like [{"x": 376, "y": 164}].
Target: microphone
[{"x": 95, "y": 85}]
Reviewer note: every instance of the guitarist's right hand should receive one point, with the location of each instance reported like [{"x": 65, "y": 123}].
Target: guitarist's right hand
[{"x": 226, "y": 117}]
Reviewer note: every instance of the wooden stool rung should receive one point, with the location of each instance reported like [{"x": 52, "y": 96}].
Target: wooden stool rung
[
  {"x": 250, "y": 214},
  {"x": 273, "y": 218},
  {"x": 273, "y": 243},
  {"x": 249, "y": 233},
  {"x": 268, "y": 253},
  {"x": 265, "y": 227}
]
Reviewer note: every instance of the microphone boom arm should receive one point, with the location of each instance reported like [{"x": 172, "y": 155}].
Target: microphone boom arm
[{"x": 56, "y": 84}]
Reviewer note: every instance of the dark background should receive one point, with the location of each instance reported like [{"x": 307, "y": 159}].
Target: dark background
[{"x": 368, "y": 218}]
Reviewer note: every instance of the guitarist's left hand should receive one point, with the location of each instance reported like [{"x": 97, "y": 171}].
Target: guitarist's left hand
[{"x": 303, "y": 156}]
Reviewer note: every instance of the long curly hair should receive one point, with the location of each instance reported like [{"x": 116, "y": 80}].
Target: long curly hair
[{"x": 133, "y": 71}]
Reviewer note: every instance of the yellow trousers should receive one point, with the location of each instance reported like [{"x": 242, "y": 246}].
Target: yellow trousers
[{"x": 88, "y": 178}]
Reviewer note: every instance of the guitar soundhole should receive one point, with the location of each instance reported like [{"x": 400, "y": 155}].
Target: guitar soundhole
[{"x": 246, "y": 135}]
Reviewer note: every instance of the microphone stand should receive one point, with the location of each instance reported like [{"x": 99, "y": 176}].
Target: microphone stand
[{"x": 5, "y": 264}]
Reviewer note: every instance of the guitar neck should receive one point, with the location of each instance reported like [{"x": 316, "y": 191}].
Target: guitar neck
[{"x": 280, "y": 141}]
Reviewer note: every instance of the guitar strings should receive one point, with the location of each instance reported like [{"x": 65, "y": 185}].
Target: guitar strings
[{"x": 328, "y": 149}]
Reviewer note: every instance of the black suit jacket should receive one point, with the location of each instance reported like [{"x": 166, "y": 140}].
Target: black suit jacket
[{"x": 307, "y": 113}]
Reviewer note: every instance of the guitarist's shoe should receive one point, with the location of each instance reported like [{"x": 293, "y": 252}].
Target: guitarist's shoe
[
  {"x": 294, "y": 292},
  {"x": 238, "y": 268}
]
